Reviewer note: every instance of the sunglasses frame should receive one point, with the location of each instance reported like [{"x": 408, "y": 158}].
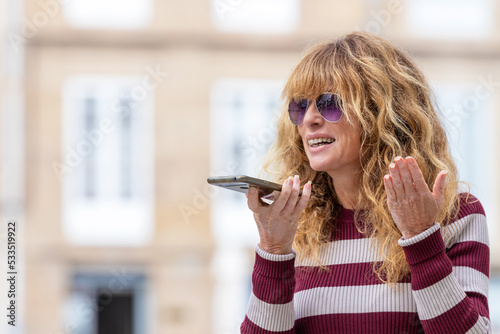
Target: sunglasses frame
[{"x": 339, "y": 100}]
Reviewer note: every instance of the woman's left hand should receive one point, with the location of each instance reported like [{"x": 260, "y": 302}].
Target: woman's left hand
[{"x": 413, "y": 206}]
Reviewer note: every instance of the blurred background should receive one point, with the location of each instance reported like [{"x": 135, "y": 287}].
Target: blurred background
[{"x": 114, "y": 112}]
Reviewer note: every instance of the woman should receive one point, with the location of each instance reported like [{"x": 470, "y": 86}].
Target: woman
[{"x": 367, "y": 247}]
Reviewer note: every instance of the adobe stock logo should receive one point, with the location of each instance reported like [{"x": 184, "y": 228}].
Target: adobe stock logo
[
  {"x": 31, "y": 27},
  {"x": 75, "y": 155},
  {"x": 485, "y": 90}
]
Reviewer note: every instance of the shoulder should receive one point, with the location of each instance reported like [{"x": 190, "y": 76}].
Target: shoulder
[
  {"x": 469, "y": 204},
  {"x": 468, "y": 224}
]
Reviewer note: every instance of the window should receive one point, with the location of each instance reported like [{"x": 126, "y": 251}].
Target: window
[
  {"x": 459, "y": 19},
  {"x": 107, "y": 161},
  {"x": 107, "y": 302},
  {"x": 109, "y": 14},
  {"x": 256, "y": 16},
  {"x": 243, "y": 116}
]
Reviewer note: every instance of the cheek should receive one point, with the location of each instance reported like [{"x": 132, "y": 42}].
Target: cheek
[
  {"x": 354, "y": 137},
  {"x": 356, "y": 143},
  {"x": 301, "y": 130},
  {"x": 304, "y": 142},
  {"x": 355, "y": 148}
]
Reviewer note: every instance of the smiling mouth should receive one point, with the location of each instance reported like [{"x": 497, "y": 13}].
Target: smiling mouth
[{"x": 317, "y": 142}]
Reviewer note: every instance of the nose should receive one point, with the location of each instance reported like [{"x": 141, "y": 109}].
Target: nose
[{"x": 312, "y": 116}]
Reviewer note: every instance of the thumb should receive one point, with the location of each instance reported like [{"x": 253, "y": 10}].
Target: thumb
[{"x": 439, "y": 186}]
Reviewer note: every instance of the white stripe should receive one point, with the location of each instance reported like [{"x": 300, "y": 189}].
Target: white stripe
[
  {"x": 274, "y": 257},
  {"x": 481, "y": 326},
  {"x": 419, "y": 237},
  {"x": 472, "y": 280},
  {"x": 354, "y": 299},
  {"x": 343, "y": 252},
  {"x": 271, "y": 317},
  {"x": 438, "y": 298},
  {"x": 470, "y": 228}
]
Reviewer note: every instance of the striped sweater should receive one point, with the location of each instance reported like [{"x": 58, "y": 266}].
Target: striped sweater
[{"x": 446, "y": 292}]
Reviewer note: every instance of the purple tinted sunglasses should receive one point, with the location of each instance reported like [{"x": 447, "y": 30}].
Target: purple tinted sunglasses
[{"x": 328, "y": 105}]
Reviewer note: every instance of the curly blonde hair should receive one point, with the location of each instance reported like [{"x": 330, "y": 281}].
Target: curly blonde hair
[{"x": 383, "y": 90}]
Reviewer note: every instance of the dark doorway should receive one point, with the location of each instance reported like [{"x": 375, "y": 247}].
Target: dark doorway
[{"x": 115, "y": 313}]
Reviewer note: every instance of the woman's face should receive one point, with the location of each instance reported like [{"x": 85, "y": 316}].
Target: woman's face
[{"x": 341, "y": 153}]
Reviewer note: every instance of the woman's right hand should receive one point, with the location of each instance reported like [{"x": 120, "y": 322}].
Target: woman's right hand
[{"x": 277, "y": 222}]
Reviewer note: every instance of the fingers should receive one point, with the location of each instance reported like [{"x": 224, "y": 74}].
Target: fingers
[
  {"x": 306, "y": 194},
  {"x": 256, "y": 204},
  {"x": 397, "y": 184},
  {"x": 405, "y": 175},
  {"x": 417, "y": 176},
  {"x": 439, "y": 187},
  {"x": 291, "y": 202},
  {"x": 253, "y": 199},
  {"x": 389, "y": 189},
  {"x": 405, "y": 179},
  {"x": 288, "y": 202},
  {"x": 284, "y": 196}
]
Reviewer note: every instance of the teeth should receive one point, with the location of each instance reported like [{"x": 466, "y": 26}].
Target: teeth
[{"x": 317, "y": 141}]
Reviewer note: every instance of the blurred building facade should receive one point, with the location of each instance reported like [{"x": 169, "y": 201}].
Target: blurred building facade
[{"x": 129, "y": 106}]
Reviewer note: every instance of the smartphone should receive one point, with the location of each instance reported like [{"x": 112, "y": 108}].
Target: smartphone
[{"x": 242, "y": 184}]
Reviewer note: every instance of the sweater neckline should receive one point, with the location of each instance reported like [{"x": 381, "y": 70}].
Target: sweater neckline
[{"x": 346, "y": 214}]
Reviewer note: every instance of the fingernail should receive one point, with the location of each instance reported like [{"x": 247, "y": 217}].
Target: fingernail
[
  {"x": 392, "y": 166},
  {"x": 386, "y": 177},
  {"x": 296, "y": 176},
  {"x": 398, "y": 158}
]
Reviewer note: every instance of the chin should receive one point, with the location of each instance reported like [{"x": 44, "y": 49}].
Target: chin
[{"x": 319, "y": 167}]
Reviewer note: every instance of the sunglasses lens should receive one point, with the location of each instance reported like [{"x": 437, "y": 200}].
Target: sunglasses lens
[
  {"x": 329, "y": 107},
  {"x": 297, "y": 110}
]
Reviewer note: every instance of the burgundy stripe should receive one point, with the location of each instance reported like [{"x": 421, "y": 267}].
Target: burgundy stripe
[
  {"x": 428, "y": 262},
  {"x": 345, "y": 228},
  {"x": 430, "y": 272},
  {"x": 274, "y": 269},
  {"x": 480, "y": 302},
  {"x": 458, "y": 319},
  {"x": 273, "y": 291},
  {"x": 469, "y": 206},
  {"x": 471, "y": 254},
  {"x": 337, "y": 275},
  {"x": 346, "y": 215},
  {"x": 273, "y": 281},
  {"x": 248, "y": 327},
  {"x": 373, "y": 323},
  {"x": 424, "y": 249}
]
